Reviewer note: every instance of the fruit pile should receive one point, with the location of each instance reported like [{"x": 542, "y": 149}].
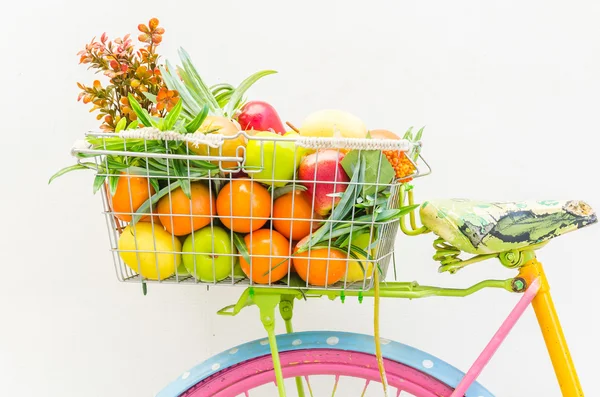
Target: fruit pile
[{"x": 285, "y": 208}]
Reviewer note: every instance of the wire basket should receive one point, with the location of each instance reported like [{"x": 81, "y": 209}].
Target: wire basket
[{"x": 250, "y": 209}]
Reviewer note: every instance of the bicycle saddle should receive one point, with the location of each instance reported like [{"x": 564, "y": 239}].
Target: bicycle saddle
[{"x": 480, "y": 227}]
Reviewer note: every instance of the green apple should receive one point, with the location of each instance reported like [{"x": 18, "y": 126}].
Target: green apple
[
  {"x": 238, "y": 272},
  {"x": 212, "y": 251},
  {"x": 259, "y": 157}
]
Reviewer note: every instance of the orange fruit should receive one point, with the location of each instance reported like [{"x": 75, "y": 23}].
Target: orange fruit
[
  {"x": 132, "y": 192},
  {"x": 383, "y": 134},
  {"x": 320, "y": 266},
  {"x": 226, "y": 127},
  {"x": 294, "y": 222},
  {"x": 262, "y": 246},
  {"x": 173, "y": 208},
  {"x": 244, "y": 206}
]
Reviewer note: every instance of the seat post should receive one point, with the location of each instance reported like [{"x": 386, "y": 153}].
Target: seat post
[{"x": 552, "y": 331}]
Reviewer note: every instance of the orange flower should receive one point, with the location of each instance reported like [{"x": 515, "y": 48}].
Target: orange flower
[{"x": 166, "y": 99}]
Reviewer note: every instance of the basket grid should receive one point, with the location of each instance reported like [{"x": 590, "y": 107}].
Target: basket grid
[{"x": 167, "y": 165}]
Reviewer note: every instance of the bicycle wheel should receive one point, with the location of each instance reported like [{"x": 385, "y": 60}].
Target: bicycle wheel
[{"x": 340, "y": 355}]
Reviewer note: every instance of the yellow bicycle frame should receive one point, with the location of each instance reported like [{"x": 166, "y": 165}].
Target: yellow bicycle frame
[{"x": 552, "y": 331}]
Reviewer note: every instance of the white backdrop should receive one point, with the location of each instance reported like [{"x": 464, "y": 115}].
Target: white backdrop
[{"x": 508, "y": 92}]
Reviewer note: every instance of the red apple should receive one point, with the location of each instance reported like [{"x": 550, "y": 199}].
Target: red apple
[
  {"x": 318, "y": 172},
  {"x": 260, "y": 116}
]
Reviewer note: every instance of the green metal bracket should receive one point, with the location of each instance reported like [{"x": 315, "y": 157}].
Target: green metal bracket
[
  {"x": 414, "y": 230},
  {"x": 267, "y": 304},
  {"x": 447, "y": 255}
]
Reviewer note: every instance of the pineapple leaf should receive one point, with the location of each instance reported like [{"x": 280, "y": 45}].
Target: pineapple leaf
[{"x": 239, "y": 92}]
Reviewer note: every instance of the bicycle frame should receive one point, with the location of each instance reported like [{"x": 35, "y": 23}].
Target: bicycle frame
[{"x": 531, "y": 281}]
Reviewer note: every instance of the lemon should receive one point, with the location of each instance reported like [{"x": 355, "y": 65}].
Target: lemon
[
  {"x": 158, "y": 252},
  {"x": 355, "y": 271}
]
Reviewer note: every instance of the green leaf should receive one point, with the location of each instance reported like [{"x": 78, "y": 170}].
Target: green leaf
[
  {"x": 181, "y": 170},
  {"x": 121, "y": 125},
  {"x": 242, "y": 88},
  {"x": 240, "y": 244},
  {"x": 419, "y": 135},
  {"x": 408, "y": 134},
  {"x": 148, "y": 204},
  {"x": 113, "y": 181},
  {"x": 98, "y": 182},
  {"x": 154, "y": 184},
  {"x": 198, "y": 83},
  {"x": 174, "y": 83},
  {"x": 193, "y": 125},
  {"x": 173, "y": 116},
  {"x": 196, "y": 94},
  {"x": 150, "y": 96},
  {"x": 70, "y": 168},
  {"x": 139, "y": 111},
  {"x": 378, "y": 170},
  {"x": 220, "y": 88},
  {"x": 133, "y": 125}
]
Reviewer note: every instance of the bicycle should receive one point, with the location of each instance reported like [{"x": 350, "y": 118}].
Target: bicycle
[{"x": 508, "y": 232}]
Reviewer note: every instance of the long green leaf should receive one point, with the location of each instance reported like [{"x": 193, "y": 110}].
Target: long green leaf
[
  {"x": 98, "y": 182},
  {"x": 121, "y": 125},
  {"x": 148, "y": 204},
  {"x": 189, "y": 82},
  {"x": 193, "y": 125},
  {"x": 198, "y": 82},
  {"x": 239, "y": 92},
  {"x": 173, "y": 83},
  {"x": 69, "y": 169},
  {"x": 150, "y": 96},
  {"x": 173, "y": 116},
  {"x": 180, "y": 169},
  {"x": 113, "y": 181},
  {"x": 340, "y": 210},
  {"x": 240, "y": 244},
  {"x": 139, "y": 111}
]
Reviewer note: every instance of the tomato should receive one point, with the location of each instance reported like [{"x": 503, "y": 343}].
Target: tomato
[
  {"x": 244, "y": 206},
  {"x": 173, "y": 207},
  {"x": 262, "y": 246},
  {"x": 132, "y": 192},
  {"x": 149, "y": 250},
  {"x": 320, "y": 266},
  {"x": 294, "y": 222}
]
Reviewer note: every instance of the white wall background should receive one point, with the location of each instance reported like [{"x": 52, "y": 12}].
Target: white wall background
[{"x": 508, "y": 92}]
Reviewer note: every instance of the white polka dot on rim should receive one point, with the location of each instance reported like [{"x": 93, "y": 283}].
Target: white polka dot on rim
[
  {"x": 185, "y": 375},
  {"x": 264, "y": 342},
  {"x": 215, "y": 366},
  {"x": 333, "y": 340},
  {"x": 385, "y": 341},
  {"x": 296, "y": 342},
  {"x": 233, "y": 351},
  {"x": 428, "y": 364}
]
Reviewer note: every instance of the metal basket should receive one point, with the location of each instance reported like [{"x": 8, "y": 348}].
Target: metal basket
[{"x": 152, "y": 163}]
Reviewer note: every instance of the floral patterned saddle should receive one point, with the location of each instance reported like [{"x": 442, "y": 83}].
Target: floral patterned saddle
[{"x": 479, "y": 227}]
